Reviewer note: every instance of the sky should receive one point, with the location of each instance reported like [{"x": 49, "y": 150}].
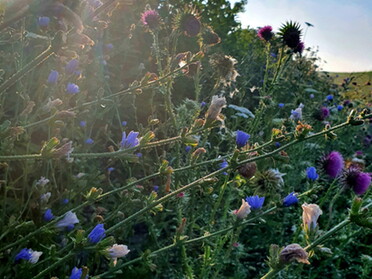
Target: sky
[{"x": 342, "y": 29}]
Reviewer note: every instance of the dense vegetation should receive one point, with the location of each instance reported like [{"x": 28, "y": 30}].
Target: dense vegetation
[{"x": 160, "y": 139}]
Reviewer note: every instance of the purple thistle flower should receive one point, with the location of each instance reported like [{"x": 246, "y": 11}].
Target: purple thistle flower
[
  {"x": 130, "y": 141},
  {"x": 48, "y": 215},
  {"x": 68, "y": 220},
  {"x": 53, "y": 77},
  {"x": 76, "y": 273},
  {"x": 311, "y": 173},
  {"x": 241, "y": 138},
  {"x": 333, "y": 164},
  {"x": 291, "y": 199},
  {"x": 43, "y": 21},
  {"x": 355, "y": 179},
  {"x": 255, "y": 202},
  {"x": 265, "y": 33},
  {"x": 299, "y": 48},
  {"x": 89, "y": 141},
  {"x": 97, "y": 234},
  {"x": 322, "y": 113},
  {"x": 151, "y": 19},
  {"x": 72, "y": 88}
]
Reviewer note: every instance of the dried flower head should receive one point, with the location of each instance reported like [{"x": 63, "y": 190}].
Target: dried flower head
[
  {"x": 224, "y": 66},
  {"x": 188, "y": 22},
  {"x": 248, "y": 170},
  {"x": 265, "y": 33},
  {"x": 310, "y": 215},
  {"x": 118, "y": 251},
  {"x": 214, "y": 110},
  {"x": 291, "y": 34},
  {"x": 210, "y": 37},
  {"x": 293, "y": 252},
  {"x": 243, "y": 211}
]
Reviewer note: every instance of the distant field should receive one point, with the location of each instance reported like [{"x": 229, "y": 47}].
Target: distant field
[{"x": 358, "y": 87}]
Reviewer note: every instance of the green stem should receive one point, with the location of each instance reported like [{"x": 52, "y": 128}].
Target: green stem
[{"x": 28, "y": 67}]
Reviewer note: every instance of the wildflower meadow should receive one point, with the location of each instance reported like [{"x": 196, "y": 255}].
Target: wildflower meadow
[{"x": 160, "y": 139}]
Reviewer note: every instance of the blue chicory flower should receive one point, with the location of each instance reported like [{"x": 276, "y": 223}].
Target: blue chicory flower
[
  {"x": 110, "y": 169},
  {"x": 291, "y": 199},
  {"x": 330, "y": 98},
  {"x": 70, "y": 219},
  {"x": 72, "y": 88},
  {"x": 48, "y": 215},
  {"x": 188, "y": 148},
  {"x": 97, "y": 234},
  {"x": 311, "y": 173},
  {"x": 83, "y": 123},
  {"x": 89, "y": 141},
  {"x": 72, "y": 66},
  {"x": 281, "y": 105},
  {"x": 53, "y": 77},
  {"x": 109, "y": 46},
  {"x": 24, "y": 254},
  {"x": 130, "y": 141},
  {"x": 340, "y": 107},
  {"x": 43, "y": 21},
  {"x": 277, "y": 144},
  {"x": 241, "y": 138},
  {"x": 124, "y": 123},
  {"x": 28, "y": 255},
  {"x": 156, "y": 188},
  {"x": 312, "y": 96},
  {"x": 76, "y": 273},
  {"x": 224, "y": 164},
  {"x": 203, "y": 104},
  {"x": 255, "y": 202}
]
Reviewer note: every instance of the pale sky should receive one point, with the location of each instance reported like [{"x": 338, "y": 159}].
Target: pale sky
[{"x": 342, "y": 28}]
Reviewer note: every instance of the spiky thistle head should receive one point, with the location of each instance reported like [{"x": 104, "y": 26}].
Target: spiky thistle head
[
  {"x": 291, "y": 34},
  {"x": 151, "y": 18},
  {"x": 332, "y": 164},
  {"x": 187, "y": 21},
  {"x": 210, "y": 38},
  {"x": 224, "y": 65},
  {"x": 269, "y": 182},
  {"x": 354, "y": 179}
]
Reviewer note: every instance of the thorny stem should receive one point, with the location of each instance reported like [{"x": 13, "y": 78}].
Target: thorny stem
[
  {"x": 198, "y": 181},
  {"x": 28, "y": 67}
]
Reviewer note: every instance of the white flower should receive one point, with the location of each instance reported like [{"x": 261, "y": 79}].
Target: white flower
[
  {"x": 244, "y": 210},
  {"x": 118, "y": 251},
  {"x": 42, "y": 181},
  {"x": 310, "y": 215},
  {"x": 68, "y": 220},
  {"x": 35, "y": 255},
  {"x": 215, "y": 108},
  {"x": 45, "y": 197}
]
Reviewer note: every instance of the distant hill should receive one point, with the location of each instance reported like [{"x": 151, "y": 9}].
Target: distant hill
[{"x": 357, "y": 86}]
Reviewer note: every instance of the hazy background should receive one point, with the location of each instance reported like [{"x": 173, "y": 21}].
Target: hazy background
[{"x": 342, "y": 28}]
